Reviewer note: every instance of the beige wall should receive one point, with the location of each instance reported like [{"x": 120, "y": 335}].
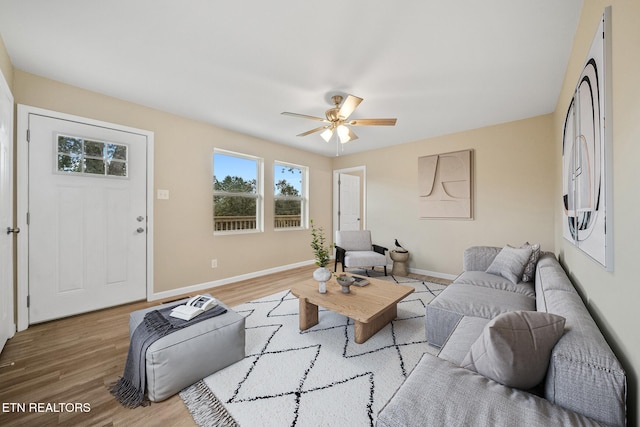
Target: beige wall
[
  {"x": 513, "y": 184},
  {"x": 5, "y": 64},
  {"x": 184, "y": 243},
  {"x": 611, "y": 297}
]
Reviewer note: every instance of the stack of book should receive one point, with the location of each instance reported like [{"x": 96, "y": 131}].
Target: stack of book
[{"x": 195, "y": 306}]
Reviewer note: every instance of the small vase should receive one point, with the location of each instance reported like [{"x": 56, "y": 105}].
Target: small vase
[
  {"x": 345, "y": 282},
  {"x": 321, "y": 275}
]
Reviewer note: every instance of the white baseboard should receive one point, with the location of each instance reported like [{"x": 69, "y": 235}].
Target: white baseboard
[
  {"x": 203, "y": 286},
  {"x": 433, "y": 274},
  {"x": 428, "y": 273},
  {"x": 208, "y": 285}
]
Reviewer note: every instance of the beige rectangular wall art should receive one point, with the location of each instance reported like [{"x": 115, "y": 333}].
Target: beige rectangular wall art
[{"x": 444, "y": 185}]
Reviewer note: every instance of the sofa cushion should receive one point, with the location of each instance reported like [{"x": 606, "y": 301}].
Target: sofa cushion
[
  {"x": 439, "y": 393},
  {"x": 479, "y": 258},
  {"x": 515, "y": 347},
  {"x": 529, "y": 273},
  {"x": 478, "y": 301},
  {"x": 482, "y": 278},
  {"x": 510, "y": 263},
  {"x": 457, "y": 346}
]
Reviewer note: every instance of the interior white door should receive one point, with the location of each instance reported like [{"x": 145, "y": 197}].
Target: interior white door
[
  {"x": 87, "y": 217},
  {"x": 349, "y": 210},
  {"x": 7, "y": 231}
]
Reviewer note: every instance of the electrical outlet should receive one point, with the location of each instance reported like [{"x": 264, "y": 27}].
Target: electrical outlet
[
  {"x": 163, "y": 194},
  {"x": 214, "y": 263}
]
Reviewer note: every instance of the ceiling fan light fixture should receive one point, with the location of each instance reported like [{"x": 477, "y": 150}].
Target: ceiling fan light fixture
[
  {"x": 343, "y": 134},
  {"x": 327, "y": 134},
  {"x": 337, "y": 119}
]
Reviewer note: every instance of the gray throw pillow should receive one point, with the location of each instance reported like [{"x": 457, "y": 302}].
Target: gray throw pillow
[
  {"x": 510, "y": 263},
  {"x": 529, "y": 273},
  {"x": 514, "y": 348}
]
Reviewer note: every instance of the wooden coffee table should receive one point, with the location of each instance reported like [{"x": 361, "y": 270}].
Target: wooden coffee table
[{"x": 371, "y": 307}]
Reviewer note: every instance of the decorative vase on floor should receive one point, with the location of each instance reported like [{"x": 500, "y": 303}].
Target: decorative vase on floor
[{"x": 321, "y": 275}]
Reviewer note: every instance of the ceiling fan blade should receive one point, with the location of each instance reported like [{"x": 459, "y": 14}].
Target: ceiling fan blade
[
  {"x": 304, "y": 116},
  {"x": 349, "y": 105},
  {"x": 313, "y": 131},
  {"x": 373, "y": 122}
]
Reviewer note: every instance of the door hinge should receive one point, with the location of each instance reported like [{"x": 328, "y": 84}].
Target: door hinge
[
  {"x": 28, "y": 301},
  {"x": 28, "y": 135},
  {"x": 28, "y": 218}
]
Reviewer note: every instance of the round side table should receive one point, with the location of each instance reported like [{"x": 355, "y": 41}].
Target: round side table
[{"x": 399, "y": 263}]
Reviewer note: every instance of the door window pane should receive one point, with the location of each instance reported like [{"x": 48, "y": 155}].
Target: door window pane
[
  {"x": 69, "y": 163},
  {"x": 94, "y": 149},
  {"x": 79, "y": 156},
  {"x": 117, "y": 169},
  {"x": 94, "y": 166},
  {"x": 69, "y": 145}
]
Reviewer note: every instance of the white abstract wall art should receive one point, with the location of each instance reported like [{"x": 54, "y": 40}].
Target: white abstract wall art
[
  {"x": 444, "y": 185},
  {"x": 586, "y": 154}
]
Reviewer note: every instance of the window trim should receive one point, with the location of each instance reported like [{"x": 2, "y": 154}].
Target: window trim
[
  {"x": 304, "y": 198},
  {"x": 259, "y": 195}
]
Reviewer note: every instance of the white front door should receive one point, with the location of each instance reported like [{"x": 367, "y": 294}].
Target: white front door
[
  {"x": 7, "y": 231},
  {"x": 349, "y": 213},
  {"x": 87, "y": 211}
]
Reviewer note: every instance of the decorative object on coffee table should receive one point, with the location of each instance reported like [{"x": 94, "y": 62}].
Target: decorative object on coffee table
[
  {"x": 321, "y": 251},
  {"x": 345, "y": 281}
]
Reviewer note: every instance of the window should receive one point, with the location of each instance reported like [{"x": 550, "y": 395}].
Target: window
[
  {"x": 237, "y": 192},
  {"x": 83, "y": 156},
  {"x": 290, "y": 195}
]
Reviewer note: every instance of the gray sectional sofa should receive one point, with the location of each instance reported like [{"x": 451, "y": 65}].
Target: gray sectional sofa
[{"x": 583, "y": 383}]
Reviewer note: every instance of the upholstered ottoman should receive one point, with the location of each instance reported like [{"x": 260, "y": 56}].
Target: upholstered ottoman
[{"x": 192, "y": 353}]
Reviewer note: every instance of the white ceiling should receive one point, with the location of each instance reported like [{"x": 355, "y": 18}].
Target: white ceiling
[{"x": 439, "y": 67}]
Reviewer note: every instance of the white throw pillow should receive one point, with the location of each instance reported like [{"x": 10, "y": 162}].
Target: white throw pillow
[
  {"x": 514, "y": 348},
  {"x": 510, "y": 263}
]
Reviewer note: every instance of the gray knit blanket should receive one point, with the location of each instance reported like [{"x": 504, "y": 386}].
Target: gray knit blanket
[{"x": 130, "y": 389}]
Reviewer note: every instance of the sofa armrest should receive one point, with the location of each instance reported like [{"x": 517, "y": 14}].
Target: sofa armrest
[
  {"x": 439, "y": 393},
  {"x": 479, "y": 258}
]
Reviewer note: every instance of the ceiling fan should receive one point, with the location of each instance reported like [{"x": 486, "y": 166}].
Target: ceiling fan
[{"x": 337, "y": 119}]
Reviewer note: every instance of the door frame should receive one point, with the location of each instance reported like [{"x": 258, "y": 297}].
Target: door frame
[
  {"x": 336, "y": 196},
  {"x": 22, "y": 198},
  {"x": 10, "y": 314}
]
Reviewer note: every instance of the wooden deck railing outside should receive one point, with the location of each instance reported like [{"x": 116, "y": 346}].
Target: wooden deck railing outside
[{"x": 234, "y": 223}]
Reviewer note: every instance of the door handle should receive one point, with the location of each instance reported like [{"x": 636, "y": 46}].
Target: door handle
[
  {"x": 13, "y": 230},
  {"x": 140, "y": 230}
]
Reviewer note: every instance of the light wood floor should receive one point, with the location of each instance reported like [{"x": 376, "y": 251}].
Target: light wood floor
[{"x": 73, "y": 360}]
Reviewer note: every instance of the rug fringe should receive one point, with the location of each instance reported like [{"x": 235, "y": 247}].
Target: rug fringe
[{"x": 205, "y": 408}]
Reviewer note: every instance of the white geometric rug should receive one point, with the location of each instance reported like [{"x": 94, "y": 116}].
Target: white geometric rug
[{"x": 317, "y": 377}]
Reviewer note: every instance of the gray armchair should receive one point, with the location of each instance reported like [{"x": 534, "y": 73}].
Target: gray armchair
[{"x": 354, "y": 249}]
